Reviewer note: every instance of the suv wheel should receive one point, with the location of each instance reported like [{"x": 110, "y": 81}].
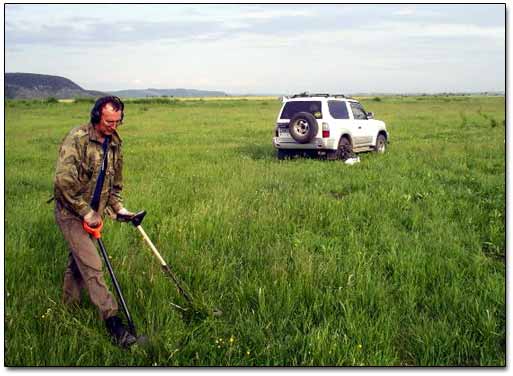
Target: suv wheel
[
  {"x": 381, "y": 144},
  {"x": 345, "y": 149},
  {"x": 303, "y": 127}
]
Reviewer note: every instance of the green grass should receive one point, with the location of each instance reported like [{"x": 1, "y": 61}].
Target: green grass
[{"x": 398, "y": 260}]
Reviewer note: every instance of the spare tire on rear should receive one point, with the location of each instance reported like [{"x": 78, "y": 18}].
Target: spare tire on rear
[{"x": 303, "y": 127}]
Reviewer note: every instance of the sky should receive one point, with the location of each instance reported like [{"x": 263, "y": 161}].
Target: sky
[{"x": 262, "y": 49}]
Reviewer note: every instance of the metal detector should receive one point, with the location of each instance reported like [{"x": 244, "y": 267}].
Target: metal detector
[
  {"x": 95, "y": 232},
  {"x": 136, "y": 220}
]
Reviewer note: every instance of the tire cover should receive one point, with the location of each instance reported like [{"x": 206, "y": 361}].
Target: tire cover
[{"x": 311, "y": 131}]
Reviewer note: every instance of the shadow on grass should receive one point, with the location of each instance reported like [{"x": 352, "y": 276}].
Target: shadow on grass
[
  {"x": 258, "y": 152},
  {"x": 266, "y": 152}
]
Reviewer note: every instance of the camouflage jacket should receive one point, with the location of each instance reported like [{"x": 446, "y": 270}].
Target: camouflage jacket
[{"x": 78, "y": 167}]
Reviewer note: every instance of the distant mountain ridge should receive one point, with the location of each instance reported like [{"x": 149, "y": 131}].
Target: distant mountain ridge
[
  {"x": 143, "y": 93},
  {"x": 41, "y": 86}
]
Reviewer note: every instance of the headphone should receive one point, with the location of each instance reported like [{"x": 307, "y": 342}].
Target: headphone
[{"x": 96, "y": 112}]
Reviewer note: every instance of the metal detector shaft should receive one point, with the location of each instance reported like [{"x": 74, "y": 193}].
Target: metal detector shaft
[
  {"x": 136, "y": 221},
  {"x": 164, "y": 265},
  {"x": 117, "y": 287},
  {"x": 95, "y": 203}
]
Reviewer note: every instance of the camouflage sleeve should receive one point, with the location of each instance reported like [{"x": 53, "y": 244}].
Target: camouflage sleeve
[
  {"x": 115, "y": 199},
  {"x": 67, "y": 184}
]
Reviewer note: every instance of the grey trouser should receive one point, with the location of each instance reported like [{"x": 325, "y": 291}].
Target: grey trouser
[{"x": 84, "y": 268}]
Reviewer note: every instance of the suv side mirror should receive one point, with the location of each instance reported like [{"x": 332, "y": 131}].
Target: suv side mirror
[{"x": 370, "y": 115}]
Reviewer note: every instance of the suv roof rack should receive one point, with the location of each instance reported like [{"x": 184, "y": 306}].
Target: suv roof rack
[{"x": 308, "y": 95}]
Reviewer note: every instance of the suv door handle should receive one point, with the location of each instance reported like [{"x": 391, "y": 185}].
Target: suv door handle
[{"x": 359, "y": 127}]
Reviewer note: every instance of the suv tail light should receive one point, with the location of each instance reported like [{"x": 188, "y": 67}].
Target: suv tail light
[{"x": 325, "y": 130}]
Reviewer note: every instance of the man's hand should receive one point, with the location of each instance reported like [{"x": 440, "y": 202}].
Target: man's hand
[
  {"x": 124, "y": 215},
  {"x": 92, "y": 219}
]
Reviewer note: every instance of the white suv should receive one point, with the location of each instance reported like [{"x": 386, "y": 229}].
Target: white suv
[{"x": 330, "y": 125}]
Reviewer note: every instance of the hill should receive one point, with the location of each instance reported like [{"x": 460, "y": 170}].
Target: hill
[
  {"x": 144, "y": 93},
  {"x": 40, "y": 86}
]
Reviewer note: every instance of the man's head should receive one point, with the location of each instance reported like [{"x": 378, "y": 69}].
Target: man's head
[{"x": 107, "y": 115}]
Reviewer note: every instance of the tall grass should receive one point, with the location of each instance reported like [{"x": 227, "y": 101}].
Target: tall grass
[{"x": 398, "y": 260}]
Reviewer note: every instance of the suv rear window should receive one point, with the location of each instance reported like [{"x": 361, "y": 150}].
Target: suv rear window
[
  {"x": 293, "y": 107},
  {"x": 338, "y": 109}
]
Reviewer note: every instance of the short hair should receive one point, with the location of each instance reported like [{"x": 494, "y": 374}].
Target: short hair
[{"x": 96, "y": 112}]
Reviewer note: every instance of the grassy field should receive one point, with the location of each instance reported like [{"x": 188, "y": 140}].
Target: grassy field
[{"x": 398, "y": 260}]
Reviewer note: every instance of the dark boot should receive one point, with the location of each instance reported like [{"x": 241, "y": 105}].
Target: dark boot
[{"x": 119, "y": 332}]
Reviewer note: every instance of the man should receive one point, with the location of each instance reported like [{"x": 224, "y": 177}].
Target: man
[{"x": 77, "y": 173}]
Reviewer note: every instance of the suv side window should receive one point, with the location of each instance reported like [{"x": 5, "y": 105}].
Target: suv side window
[
  {"x": 293, "y": 107},
  {"x": 338, "y": 109},
  {"x": 358, "y": 111}
]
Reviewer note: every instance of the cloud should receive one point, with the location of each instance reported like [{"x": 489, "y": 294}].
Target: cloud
[
  {"x": 184, "y": 24},
  {"x": 404, "y": 12},
  {"x": 257, "y": 46},
  {"x": 173, "y": 23},
  {"x": 101, "y": 33},
  {"x": 426, "y": 30}
]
